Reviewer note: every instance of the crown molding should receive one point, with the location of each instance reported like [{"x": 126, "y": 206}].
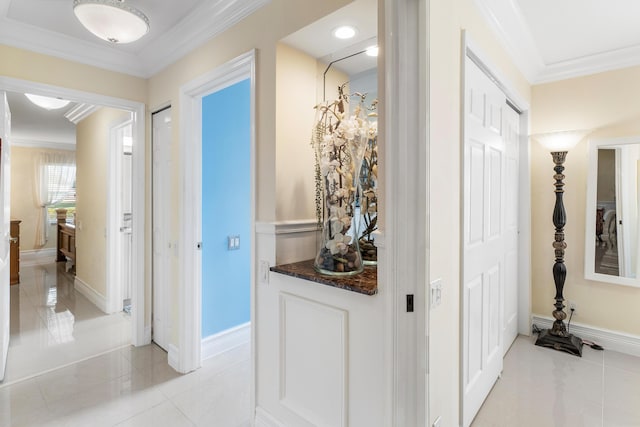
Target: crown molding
[
  {"x": 506, "y": 20},
  {"x": 606, "y": 61},
  {"x": 51, "y": 145},
  {"x": 205, "y": 22},
  {"x": 200, "y": 25},
  {"x": 80, "y": 112},
  {"x": 36, "y": 39}
]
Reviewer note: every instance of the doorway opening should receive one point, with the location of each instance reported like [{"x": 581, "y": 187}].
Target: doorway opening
[
  {"x": 188, "y": 355},
  {"x": 135, "y": 113}
]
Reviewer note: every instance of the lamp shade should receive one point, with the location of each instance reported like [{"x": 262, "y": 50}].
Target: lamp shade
[
  {"x": 111, "y": 20},
  {"x": 561, "y": 140}
]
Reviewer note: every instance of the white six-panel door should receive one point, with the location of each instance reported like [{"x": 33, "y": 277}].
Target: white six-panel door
[
  {"x": 489, "y": 236},
  {"x": 161, "y": 142},
  {"x": 511, "y": 136},
  {"x": 5, "y": 221}
]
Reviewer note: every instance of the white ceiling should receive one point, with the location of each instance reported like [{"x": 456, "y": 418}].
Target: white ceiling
[
  {"x": 548, "y": 39},
  {"x": 317, "y": 39},
  {"x": 50, "y": 27},
  {"x": 557, "y": 39}
]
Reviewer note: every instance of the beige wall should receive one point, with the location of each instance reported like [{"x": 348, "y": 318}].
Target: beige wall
[
  {"x": 24, "y": 205},
  {"x": 25, "y": 65},
  {"x": 298, "y": 90},
  {"x": 609, "y": 103},
  {"x": 284, "y": 17},
  {"x": 92, "y": 141},
  {"x": 447, "y": 19}
]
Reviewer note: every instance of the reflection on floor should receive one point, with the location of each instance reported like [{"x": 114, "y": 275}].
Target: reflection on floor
[
  {"x": 52, "y": 325},
  {"x": 133, "y": 387},
  {"x": 607, "y": 257},
  {"x": 542, "y": 387}
]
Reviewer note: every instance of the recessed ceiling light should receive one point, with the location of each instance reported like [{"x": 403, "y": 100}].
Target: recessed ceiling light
[
  {"x": 46, "y": 102},
  {"x": 372, "y": 51},
  {"x": 344, "y": 32}
]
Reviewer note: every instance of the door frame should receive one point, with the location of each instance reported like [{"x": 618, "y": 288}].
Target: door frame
[
  {"x": 485, "y": 63},
  {"x": 114, "y": 220},
  {"x": 140, "y": 325},
  {"x": 187, "y": 356}
]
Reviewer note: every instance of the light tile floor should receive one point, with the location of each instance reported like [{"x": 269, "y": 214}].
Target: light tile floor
[
  {"x": 133, "y": 387},
  {"x": 541, "y": 387},
  {"x": 52, "y": 325},
  {"x": 71, "y": 365}
]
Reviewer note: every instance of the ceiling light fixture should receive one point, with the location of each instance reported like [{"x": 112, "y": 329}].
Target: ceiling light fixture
[
  {"x": 111, "y": 20},
  {"x": 46, "y": 102},
  {"x": 372, "y": 51},
  {"x": 344, "y": 32}
]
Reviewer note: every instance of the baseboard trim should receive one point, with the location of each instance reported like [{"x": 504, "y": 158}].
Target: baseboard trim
[
  {"x": 226, "y": 340},
  {"x": 265, "y": 419},
  {"x": 37, "y": 256},
  {"x": 610, "y": 340},
  {"x": 96, "y": 298}
]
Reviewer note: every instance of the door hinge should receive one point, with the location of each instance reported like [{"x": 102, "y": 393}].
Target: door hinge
[{"x": 410, "y": 303}]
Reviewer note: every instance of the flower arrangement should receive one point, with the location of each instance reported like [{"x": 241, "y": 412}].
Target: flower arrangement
[
  {"x": 369, "y": 194},
  {"x": 339, "y": 140}
]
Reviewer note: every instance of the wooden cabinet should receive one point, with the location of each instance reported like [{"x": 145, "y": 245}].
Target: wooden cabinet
[{"x": 15, "y": 252}]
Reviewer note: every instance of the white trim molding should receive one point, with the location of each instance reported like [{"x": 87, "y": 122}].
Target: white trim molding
[
  {"x": 51, "y": 145},
  {"x": 226, "y": 340},
  {"x": 91, "y": 294},
  {"x": 265, "y": 419},
  {"x": 287, "y": 227},
  {"x": 202, "y": 23},
  {"x": 610, "y": 340},
  {"x": 190, "y": 273}
]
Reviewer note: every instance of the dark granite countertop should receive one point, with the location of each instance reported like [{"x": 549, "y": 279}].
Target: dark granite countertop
[{"x": 363, "y": 283}]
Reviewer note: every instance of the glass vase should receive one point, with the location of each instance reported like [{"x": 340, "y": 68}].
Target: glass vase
[
  {"x": 368, "y": 200},
  {"x": 340, "y": 144}
]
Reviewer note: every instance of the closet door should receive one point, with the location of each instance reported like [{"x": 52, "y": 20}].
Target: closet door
[{"x": 484, "y": 238}]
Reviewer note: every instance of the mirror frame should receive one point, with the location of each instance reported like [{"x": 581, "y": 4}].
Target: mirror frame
[{"x": 590, "y": 211}]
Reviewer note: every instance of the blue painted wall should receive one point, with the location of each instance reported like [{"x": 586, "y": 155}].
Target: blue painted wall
[{"x": 226, "y": 205}]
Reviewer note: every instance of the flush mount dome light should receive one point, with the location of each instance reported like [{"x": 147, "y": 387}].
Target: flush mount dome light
[
  {"x": 46, "y": 102},
  {"x": 344, "y": 32},
  {"x": 111, "y": 20}
]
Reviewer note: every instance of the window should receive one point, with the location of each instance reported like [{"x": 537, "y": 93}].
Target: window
[{"x": 64, "y": 190}]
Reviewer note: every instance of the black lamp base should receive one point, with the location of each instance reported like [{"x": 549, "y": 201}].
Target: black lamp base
[{"x": 570, "y": 344}]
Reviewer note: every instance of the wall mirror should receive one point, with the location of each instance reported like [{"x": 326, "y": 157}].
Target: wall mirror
[{"x": 612, "y": 228}]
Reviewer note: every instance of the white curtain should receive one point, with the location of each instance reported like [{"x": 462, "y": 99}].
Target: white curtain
[{"x": 55, "y": 174}]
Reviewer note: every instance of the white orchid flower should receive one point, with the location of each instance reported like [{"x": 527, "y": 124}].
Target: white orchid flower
[{"x": 339, "y": 244}]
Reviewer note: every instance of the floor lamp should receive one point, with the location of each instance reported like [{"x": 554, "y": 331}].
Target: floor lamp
[{"x": 558, "y": 338}]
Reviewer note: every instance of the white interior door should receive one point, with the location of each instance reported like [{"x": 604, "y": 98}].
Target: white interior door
[
  {"x": 5, "y": 221},
  {"x": 484, "y": 247},
  {"x": 161, "y": 141},
  {"x": 126, "y": 213},
  {"x": 511, "y": 136}
]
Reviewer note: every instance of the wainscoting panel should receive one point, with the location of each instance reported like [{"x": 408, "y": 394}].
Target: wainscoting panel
[{"x": 313, "y": 360}]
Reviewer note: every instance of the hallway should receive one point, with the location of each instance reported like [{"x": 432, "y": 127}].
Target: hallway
[{"x": 53, "y": 325}]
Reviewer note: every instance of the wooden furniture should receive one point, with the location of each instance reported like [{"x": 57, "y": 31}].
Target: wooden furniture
[
  {"x": 14, "y": 254},
  {"x": 66, "y": 239}
]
